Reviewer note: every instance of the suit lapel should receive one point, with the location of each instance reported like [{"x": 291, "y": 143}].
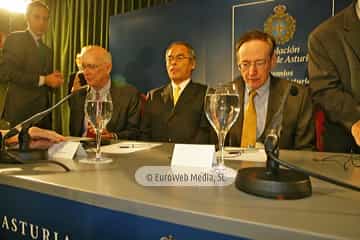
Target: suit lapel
[
  {"x": 352, "y": 29},
  {"x": 167, "y": 100},
  {"x": 275, "y": 97},
  {"x": 185, "y": 96}
]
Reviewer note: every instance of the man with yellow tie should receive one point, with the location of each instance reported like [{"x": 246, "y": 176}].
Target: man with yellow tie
[
  {"x": 175, "y": 112},
  {"x": 261, "y": 95}
]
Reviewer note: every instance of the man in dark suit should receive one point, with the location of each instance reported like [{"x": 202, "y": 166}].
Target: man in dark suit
[
  {"x": 334, "y": 73},
  {"x": 261, "y": 95},
  {"x": 96, "y": 65},
  {"x": 175, "y": 112},
  {"x": 27, "y": 68}
]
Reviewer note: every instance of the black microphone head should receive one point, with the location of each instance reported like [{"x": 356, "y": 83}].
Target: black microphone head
[{"x": 294, "y": 91}]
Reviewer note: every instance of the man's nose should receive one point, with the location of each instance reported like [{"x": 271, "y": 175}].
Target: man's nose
[{"x": 253, "y": 69}]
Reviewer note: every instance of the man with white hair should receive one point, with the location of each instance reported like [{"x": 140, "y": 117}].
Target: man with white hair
[{"x": 96, "y": 64}]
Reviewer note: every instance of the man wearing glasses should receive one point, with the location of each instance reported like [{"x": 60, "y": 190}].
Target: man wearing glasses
[
  {"x": 175, "y": 112},
  {"x": 96, "y": 64},
  {"x": 261, "y": 94}
]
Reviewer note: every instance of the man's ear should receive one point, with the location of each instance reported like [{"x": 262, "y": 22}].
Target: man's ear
[
  {"x": 109, "y": 68},
  {"x": 193, "y": 64},
  {"x": 273, "y": 60}
]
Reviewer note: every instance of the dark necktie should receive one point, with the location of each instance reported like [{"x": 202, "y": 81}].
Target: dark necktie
[{"x": 42, "y": 54}]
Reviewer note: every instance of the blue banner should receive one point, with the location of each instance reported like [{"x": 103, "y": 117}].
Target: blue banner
[
  {"x": 31, "y": 215},
  {"x": 138, "y": 39}
]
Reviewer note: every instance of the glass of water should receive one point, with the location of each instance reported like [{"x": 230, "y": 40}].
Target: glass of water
[
  {"x": 98, "y": 111},
  {"x": 222, "y": 107}
]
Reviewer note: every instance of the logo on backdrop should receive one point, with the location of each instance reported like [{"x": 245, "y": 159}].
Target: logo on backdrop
[{"x": 280, "y": 25}]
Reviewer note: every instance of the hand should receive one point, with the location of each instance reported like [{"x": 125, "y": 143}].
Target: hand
[
  {"x": 355, "y": 131},
  {"x": 107, "y": 135},
  {"x": 40, "y": 138},
  {"x": 76, "y": 84},
  {"x": 54, "y": 79},
  {"x": 43, "y": 139}
]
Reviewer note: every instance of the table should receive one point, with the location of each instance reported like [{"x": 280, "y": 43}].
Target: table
[{"x": 42, "y": 201}]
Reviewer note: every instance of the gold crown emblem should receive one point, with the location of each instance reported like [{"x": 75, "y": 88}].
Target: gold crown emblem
[
  {"x": 280, "y": 9},
  {"x": 280, "y": 25}
]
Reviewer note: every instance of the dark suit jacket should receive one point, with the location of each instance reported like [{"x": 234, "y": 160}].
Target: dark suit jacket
[
  {"x": 297, "y": 126},
  {"x": 21, "y": 67},
  {"x": 186, "y": 123},
  {"x": 72, "y": 78},
  {"x": 334, "y": 72},
  {"x": 125, "y": 117}
]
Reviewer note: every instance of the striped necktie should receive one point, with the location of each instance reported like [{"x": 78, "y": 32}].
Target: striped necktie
[{"x": 248, "y": 138}]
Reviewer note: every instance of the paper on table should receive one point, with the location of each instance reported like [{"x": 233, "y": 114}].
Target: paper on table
[
  {"x": 127, "y": 147},
  {"x": 244, "y": 154}
]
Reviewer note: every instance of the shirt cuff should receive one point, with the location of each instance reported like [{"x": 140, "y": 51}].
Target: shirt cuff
[{"x": 41, "y": 81}]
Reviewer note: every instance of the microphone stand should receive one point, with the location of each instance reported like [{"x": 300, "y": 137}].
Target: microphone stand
[
  {"x": 24, "y": 153},
  {"x": 272, "y": 181}
]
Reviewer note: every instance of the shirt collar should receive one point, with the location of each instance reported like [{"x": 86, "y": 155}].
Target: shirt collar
[
  {"x": 182, "y": 85},
  {"x": 105, "y": 89},
  {"x": 35, "y": 37},
  {"x": 261, "y": 90}
]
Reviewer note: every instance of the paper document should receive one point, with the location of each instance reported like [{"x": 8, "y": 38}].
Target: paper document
[
  {"x": 128, "y": 147},
  {"x": 244, "y": 154}
]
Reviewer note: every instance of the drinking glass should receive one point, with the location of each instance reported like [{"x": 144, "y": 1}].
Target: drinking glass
[
  {"x": 222, "y": 107},
  {"x": 98, "y": 111}
]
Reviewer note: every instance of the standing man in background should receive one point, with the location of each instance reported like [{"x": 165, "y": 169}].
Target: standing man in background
[
  {"x": 175, "y": 112},
  {"x": 334, "y": 73},
  {"x": 26, "y": 66}
]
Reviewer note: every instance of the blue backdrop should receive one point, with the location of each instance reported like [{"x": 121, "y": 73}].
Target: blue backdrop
[{"x": 138, "y": 39}]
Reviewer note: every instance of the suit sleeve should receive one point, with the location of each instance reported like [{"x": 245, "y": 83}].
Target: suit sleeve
[
  {"x": 305, "y": 132},
  {"x": 12, "y": 66},
  {"x": 145, "y": 125},
  {"x": 202, "y": 135},
  {"x": 71, "y": 82},
  {"x": 327, "y": 87},
  {"x": 133, "y": 117}
]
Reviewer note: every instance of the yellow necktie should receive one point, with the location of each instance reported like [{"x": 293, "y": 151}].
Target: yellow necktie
[
  {"x": 176, "y": 94},
  {"x": 248, "y": 137}
]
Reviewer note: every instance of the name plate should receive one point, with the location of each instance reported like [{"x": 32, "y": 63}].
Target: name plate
[
  {"x": 193, "y": 155},
  {"x": 66, "y": 150}
]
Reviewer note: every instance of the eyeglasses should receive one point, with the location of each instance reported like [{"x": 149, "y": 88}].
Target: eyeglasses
[
  {"x": 90, "y": 66},
  {"x": 177, "y": 58},
  {"x": 245, "y": 65}
]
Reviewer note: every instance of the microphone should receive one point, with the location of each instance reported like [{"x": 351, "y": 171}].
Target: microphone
[
  {"x": 24, "y": 153},
  {"x": 38, "y": 116},
  {"x": 272, "y": 181}
]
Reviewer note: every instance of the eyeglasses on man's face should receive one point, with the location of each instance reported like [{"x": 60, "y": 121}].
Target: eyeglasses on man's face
[
  {"x": 90, "y": 66},
  {"x": 245, "y": 65},
  {"x": 177, "y": 58}
]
